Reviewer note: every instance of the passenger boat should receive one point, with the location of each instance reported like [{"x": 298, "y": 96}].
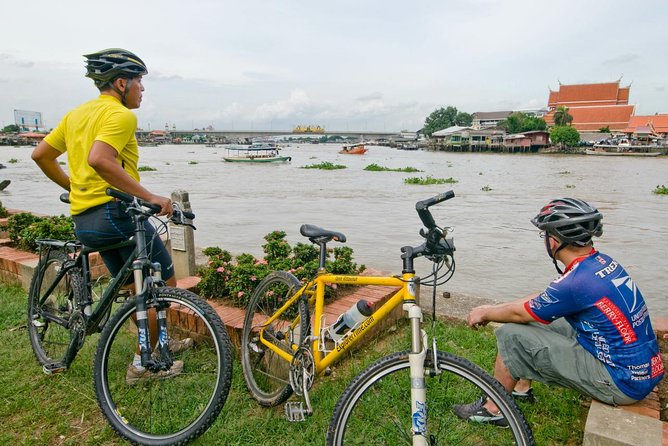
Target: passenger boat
[
  {"x": 254, "y": 155},
  {"x": 355, "y": 149}
]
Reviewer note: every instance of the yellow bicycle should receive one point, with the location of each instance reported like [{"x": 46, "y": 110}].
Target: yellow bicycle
[{"x": 286, "y": 344}]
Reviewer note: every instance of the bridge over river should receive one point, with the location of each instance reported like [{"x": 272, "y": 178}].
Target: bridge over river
[{"x": 242, "y": 135}]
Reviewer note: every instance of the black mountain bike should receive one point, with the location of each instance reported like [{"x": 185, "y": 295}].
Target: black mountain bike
[{"x": 187, "y": 372}]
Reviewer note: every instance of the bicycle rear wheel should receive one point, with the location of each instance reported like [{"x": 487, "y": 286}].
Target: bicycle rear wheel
[
  {"x": 50, "y": 319},
  {"x": 265, "y": 372},
  {"x": 160, "y": 410},
  {"x": 375, "y": 408}
]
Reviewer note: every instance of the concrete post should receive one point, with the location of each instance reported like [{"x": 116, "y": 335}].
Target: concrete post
[{"x": 182, "y": 240}]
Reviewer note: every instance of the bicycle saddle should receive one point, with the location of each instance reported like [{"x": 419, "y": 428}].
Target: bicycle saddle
[{"x": 312, "y": 231}]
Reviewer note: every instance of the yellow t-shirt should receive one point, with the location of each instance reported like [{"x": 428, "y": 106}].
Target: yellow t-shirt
[{"x": 103, "y": 119}]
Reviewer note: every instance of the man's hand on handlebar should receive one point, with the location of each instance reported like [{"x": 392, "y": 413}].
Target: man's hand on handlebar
[{"x": 165, "y": 204}]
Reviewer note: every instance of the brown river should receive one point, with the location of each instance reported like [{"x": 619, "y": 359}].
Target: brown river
[{"x": 499, "y": 254}]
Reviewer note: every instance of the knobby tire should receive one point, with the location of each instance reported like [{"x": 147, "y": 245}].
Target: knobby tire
[
  {"x": 49, "y": 322},
  {"x": 168, "y": 411},
  {"x": 375, "y": 407},
  {"x": 266, "y": 373}
]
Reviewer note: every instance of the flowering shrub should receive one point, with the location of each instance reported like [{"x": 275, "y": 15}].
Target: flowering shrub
[{"x": 235, "y": 280}]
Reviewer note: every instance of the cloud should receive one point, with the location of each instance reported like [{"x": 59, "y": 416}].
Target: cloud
[
  {"x": 294, "y": 106},
  {"x": 160, "y": 77},
  {"x": 371, "y": 97},
  {"x": 11, "y": 60},
  {"x": 622, "y": 59},
  {"x": 259, "y": 76}
]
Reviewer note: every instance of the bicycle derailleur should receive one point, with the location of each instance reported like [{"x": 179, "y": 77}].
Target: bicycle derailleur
[{"x": 301, "y": 375}]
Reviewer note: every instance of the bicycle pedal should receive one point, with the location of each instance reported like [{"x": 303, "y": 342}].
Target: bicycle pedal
[
  {"x": 53, "y": 368},
  {"x": 294, "y": 411}
]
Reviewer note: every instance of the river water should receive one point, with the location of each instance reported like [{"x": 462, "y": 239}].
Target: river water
[{"x": 499, "y": 254}]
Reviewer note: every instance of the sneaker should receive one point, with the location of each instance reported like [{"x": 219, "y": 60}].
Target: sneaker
[
  {"x": 180, "y": 345},
  {"x": 475, "y": 412},
  {"x": 525, "y": 397},
  {"x": 176, "y": 346},
  {"x": 136, "y": 374}
]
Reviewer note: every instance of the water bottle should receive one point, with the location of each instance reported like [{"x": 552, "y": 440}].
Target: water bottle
[{"x": 354, "y": 316}]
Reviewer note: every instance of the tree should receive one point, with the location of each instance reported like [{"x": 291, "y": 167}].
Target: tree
[
  {"x": 533, "y": 123},
  {"x": 464, "y": 119},
  {"x": 10, "y": 129},
  {"x": 513, "y": 123},
  {"x": 519, "y": 122},
  {"x": 565, "y": 136},
  {"x": 605, "y": 129},
  {"x": 442, "y": 119},
  {"x": 562, "y": 117}
]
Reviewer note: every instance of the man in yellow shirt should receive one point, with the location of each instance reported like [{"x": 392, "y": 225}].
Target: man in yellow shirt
[{"x": 102, "y": 151}]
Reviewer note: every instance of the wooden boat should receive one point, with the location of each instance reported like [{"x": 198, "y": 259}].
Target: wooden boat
[
  {"x": 618, "y": 151},
  {"x": 355, "y": 149},
  {"x": 254, "y": 155}
]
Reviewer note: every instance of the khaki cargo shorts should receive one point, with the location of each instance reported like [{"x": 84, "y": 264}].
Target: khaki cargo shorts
[{"x": 551, "y": 354}]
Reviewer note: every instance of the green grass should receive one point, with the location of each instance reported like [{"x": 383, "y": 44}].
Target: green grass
[
  {"x": 377, "y": 168},
  {"x": 661, "y": 190},
  {"x": 325, "y": 165},
  {"x": 424, "y": 181},
  {"x": 61, "y": 409}
]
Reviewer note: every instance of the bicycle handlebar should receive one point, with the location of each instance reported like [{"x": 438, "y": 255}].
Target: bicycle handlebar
[
  {"x": 422, "y": 207},
  {"x": 153, "y": 207}
]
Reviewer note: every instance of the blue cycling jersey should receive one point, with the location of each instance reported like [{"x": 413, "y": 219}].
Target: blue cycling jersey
[{"x": 607, "y": 311}]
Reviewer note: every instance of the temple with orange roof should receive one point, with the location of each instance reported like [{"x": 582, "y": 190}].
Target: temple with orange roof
[
  {"x": 593, "y": 106},
  {"x": 653, "y": 125}
]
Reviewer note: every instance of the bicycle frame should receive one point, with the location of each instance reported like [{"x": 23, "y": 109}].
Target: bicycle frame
[
  {"x": 316, "y": 290},
  {"x": 82, "y": 261},
  {"x": 137, "y": 264}
]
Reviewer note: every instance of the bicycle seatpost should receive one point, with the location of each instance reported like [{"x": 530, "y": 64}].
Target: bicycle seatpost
[{"x": 422, "y": 208}]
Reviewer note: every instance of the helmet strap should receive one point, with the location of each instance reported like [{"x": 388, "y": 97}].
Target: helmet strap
[
  {"x": 122, "y": 94},
  {"x": 553, "y": 255},
  {"x": 127, "y": 88}
]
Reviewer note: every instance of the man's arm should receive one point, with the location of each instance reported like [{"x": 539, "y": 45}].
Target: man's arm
[
  {"x": 46, "y": 158},
  {"x": 102, "y": 158},
  {"x": 506, "y": 312}
]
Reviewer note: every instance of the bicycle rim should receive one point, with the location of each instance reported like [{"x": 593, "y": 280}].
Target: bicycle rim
[
  {"x": 165, "y": 410},
  {"x": 265, "y": 372},
  {"x": 48, "y": 321},
  {"x": 375, "y": 408}
]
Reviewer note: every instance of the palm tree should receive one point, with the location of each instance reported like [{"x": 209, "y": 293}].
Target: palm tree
[{"x": 562, "y": 117}]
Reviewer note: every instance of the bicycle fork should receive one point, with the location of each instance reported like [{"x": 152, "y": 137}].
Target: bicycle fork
[
  {"x": 143, "y": 332},
  {"x": 416, "y": 360}
]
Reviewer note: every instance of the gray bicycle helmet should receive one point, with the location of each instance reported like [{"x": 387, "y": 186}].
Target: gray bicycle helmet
[
  {"x": 572, "y": 221},
  {"x": 106, "y": 65}
]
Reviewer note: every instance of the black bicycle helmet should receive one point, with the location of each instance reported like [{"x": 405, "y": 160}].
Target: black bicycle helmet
[
  {"x": 106, "y": 65},
  {"x": 572, "y": 221}
]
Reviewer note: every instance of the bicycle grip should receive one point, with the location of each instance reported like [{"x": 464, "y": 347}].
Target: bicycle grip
[
  {"x": 129, "y": 199},
  {"x": 188, "y": 215},
  {"x": 422, "y": 207}
]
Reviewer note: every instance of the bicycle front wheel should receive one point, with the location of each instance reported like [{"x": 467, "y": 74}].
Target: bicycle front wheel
[
  {"x": 164, "y": 408},
  {"x": 265, "y": 372},
  {"x": 375, "y": 408},
  {"x": 51, "y": 318}
]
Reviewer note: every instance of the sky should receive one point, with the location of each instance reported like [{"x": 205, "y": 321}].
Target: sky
[{"x": 344, "y": 65}]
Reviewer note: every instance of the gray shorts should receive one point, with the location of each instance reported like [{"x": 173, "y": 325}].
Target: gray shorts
[{"x": 551, "y": 354}]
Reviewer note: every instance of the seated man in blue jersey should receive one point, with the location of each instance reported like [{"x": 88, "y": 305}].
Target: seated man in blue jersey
[{"x": 589, "y": 330}]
